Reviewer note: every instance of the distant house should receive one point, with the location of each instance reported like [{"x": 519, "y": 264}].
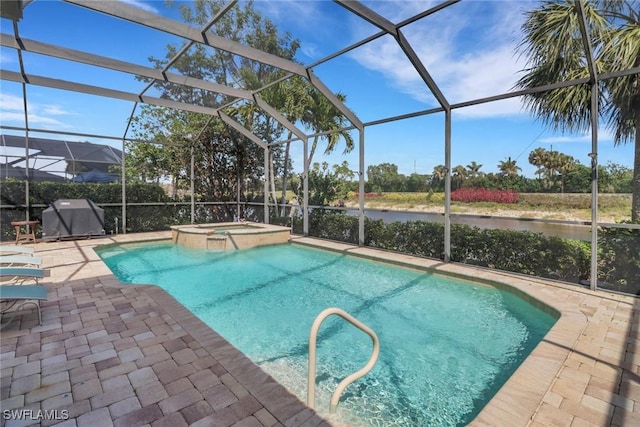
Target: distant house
[{"x": 57, "y": 160}]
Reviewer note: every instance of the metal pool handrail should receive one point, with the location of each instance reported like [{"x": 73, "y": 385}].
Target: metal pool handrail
[{"x": 313, "y": 335}]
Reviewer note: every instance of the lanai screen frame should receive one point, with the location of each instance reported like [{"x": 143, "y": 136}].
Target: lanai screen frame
[{"x": 12, "y": 9}]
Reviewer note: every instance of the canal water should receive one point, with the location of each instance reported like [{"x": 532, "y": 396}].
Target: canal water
[{"x": 578, "y": 230}]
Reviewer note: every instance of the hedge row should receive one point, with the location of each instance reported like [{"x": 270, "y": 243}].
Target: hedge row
[
  {"x": 139, "y": 218},
  {"x": 517, "y": 251}
]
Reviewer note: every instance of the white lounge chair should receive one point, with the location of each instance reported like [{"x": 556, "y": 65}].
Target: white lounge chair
[
  {"x": 19, "y": 275},
  {"x": 22, "y": 250},
  {"x": 20, "y": 260},
  {"x": 14, "y": 294},
  {"x": 14, "y": 297}
]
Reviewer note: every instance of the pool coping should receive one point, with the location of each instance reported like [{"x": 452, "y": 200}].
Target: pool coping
[{"x": 586, "y": 370}]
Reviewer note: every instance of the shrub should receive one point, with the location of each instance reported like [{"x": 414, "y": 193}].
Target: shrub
[
  {"x": 472, "y": 195},
  {"x": 516, "y": 251},
  {"x": 619, "y": 259},
  {"x": 108, "y": 196}
]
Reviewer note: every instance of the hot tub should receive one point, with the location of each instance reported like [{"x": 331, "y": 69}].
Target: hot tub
[{"x": 229, "y": 235}]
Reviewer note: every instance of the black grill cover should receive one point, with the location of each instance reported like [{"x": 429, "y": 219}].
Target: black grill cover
[{"x": 72, "y": 218}]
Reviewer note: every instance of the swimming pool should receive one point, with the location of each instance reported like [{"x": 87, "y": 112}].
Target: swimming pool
[{"x": 446, "y": 346}]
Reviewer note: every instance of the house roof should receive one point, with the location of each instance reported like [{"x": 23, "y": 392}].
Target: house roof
[{"x": 60, "y": 150}]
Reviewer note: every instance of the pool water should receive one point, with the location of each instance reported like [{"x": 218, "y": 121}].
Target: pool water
[{"x": 446, "y": 346}]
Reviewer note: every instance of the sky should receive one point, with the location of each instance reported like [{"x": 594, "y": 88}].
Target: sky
[{"x": 469, "y": 49}]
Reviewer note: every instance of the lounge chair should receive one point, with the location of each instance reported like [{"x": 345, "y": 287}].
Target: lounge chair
[
  {"x": 20, "y": 260},
  {"x": 22, "y": 250},
  {"x": 19, "y": 275},
  {"x": 17, "y": 296}
]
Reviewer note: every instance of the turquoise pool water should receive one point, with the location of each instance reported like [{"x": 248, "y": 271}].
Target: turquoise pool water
[{"x": 446, "y": 346}]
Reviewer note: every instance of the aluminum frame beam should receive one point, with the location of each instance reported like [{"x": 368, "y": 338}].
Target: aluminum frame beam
[
  {"x": 279, "y": 117},
  {"x": 369, "y": 15},
  {"x": 190, "y": 43},
  {"x": 193, "y": 35},
  {"x": 595, "y": 94},
  {"x": 151, "y": 20},
  {"x": 244, "y": 131},
  {"x": 318, "y": 84},
  {"x": 101, "y": 91},
  {"x": 392, "y": 29},
  {"x": 54, "y": 51}
]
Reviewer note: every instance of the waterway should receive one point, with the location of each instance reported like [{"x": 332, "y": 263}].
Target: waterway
[{"x": 579, "y": 230}]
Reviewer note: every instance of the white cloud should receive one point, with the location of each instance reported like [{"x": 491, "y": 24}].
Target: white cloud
[
  {"x": 12, "y": 112},
  {"x": 603, "y": 135},
  {"x": 301, "y": 11},
  {"x": 7, "y": 58},
  {"x": 565, "y": 139},
  {"x": 55, "y": 110},
  {"x": 141, "y": 5},
  {"x": 11, "y": 102},
  {"x": 464, "y": 68}
]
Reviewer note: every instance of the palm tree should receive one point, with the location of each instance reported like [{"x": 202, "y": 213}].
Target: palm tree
[
  {"x": 508, "y": 167},
  {"x": 323, "y": 116},
  {"x": 439, "y": 172},
  {"x": 459, "y": 173},
  {"x": 474, "y": 169},
  {"x": 555, "y": 51},
  {"x": 537, "y": 158},
  {"x": 564, "y": 164},
  {"x": 292, "y": 98},
  {"x": 551, "y": 164}
]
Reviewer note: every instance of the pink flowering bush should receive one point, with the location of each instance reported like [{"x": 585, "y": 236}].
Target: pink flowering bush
[
  {"x": 369, "y": 195},
  {"x": 471, "y": 195}
]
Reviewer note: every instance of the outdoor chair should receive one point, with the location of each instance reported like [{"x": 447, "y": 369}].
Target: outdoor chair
[
  {"x": 19, "y": 275},
  {"x": 16, "y": 250},
  {"x": 20, "y": 260},
  {"x": 14, "y": 294},
  {"x": 14, "y": 297}
]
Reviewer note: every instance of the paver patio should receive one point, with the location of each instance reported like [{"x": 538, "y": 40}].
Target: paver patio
[{"x": 123, "y": 355}]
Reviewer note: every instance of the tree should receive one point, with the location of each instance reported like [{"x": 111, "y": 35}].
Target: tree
[
  {"x": 564, "y": 164},
  {"x": 290, "y": 97},
  {"x": 458, "y": 175},
  {"x": 146, "y": 162},
  {"x": 416, "y": 182},
  {"x": 537, "y": 158},
  {"x": 474, "y": 170},
  {"x": 555, "y": 52},
  {"x": 323, "y": 116},
  {"x": 225, "y": 160},
  {"x": 578, "y": 180},
  {"x": 326, "y": 185},
  {"x": 620, "y": 177},
  {"x": 508, "y": 167},
  {"x": 437, "y": 176},
  {"x": 384, "y": 177}
]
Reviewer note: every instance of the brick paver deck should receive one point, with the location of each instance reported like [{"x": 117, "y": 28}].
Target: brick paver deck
[{"x": 121, "y": 355}]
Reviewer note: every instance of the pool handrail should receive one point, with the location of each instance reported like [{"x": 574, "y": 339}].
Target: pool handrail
[{"x": 313, "y": 335}]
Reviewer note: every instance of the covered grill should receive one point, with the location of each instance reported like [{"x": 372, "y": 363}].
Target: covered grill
[{"x": 72, "y": 218}]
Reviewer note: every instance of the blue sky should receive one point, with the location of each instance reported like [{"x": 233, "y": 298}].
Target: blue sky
[{"x": 468, "y": 48}]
